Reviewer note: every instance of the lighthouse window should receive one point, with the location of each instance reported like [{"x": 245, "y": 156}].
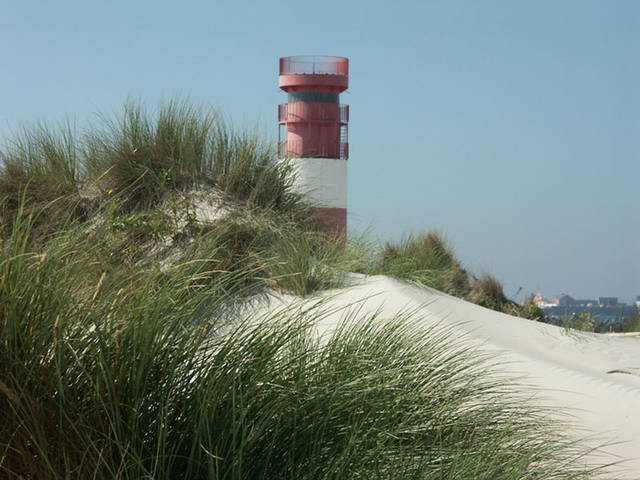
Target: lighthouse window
[{"x": 313, "y": 97}]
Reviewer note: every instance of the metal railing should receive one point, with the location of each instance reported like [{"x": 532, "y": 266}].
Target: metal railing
[
  {"x": 320, "y": 114},
  {"x": 314, "y": 65},
  {"x": 344, "y": 150},
  {"x": 344, "y": 134},
  {"x": 282, "y": 112},
  {"x": 344, "y": 113},
  {"x": 282, "y": 149}
]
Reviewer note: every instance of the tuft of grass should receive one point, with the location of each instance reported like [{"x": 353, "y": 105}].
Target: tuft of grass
[
  {"x": 425, "y": 258},
  {"x": 101, "y": 380},
  {"x": 532, "y": 311},
  {"x": 304, "y": 261},
  {"x": 428, "y": 258},
  {"x": 233, "y": 245},
  {"x": 39, "y": 172},
  {"x": 144, "y": 155},
  {"x": 140, "y": 158},
  {"x": 487, "y": 292}
]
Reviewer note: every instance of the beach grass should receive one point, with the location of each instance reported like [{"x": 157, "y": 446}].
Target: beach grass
[
  {"x": 425, "y": 258},
  {"x": 127, "y": 167},
  {"x": 129, "y": 350},
  {"x": 149, "y": 153},
  {"x": 39, "y": 172},
  {"x": 140, "y": 156},
  {"x": 428, "y": 258},
  {"x": 151, "y": 374}
]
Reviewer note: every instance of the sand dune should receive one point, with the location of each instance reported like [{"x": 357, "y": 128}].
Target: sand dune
[{"x": 592, "y": 376}]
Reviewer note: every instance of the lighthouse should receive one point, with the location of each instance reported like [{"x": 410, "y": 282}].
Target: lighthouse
[{"x": 313, "y": 133}]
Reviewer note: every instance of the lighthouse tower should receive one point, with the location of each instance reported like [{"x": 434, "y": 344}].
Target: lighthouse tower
[{"x": 313, "y": 133}]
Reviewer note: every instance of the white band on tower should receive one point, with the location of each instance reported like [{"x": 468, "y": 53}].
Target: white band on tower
[{"x": 322, "y": 180}]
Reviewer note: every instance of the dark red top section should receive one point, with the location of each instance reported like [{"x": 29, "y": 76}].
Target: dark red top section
[{"x": 314, "y": 73}]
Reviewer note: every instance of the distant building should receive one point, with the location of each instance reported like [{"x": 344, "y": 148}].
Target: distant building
[
  {"x": 586, "y": 302},
  {"x": 608, "y": 301},
  {"x": 569, "y": 301},
  {"x": 583, "y": 304},
  {"x": 638, "y": 302},
  {"x": 564, "y": 301}
]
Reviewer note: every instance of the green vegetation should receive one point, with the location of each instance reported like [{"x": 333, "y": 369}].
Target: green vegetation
[
  {"x": 40, "y": 171},
  {"x": 632, "y": 323},
  {"x": 307, "y": 261},
  {"x": 139, "y": 158},
  {"x": 487, "y": 292},
  {"x": 126, "y": 349},
  {"x": 585, "y": 322},
  {"x": 426, "y": 259},
  {"x": 147, "y": 375},
  {"x": 429, "y": 259},
  {"x": 133, "y": 168},
  {"x": 532, "y": 311}
]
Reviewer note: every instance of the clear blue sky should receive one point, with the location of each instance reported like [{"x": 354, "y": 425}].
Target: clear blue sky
[{"x": 512, "y": 126}]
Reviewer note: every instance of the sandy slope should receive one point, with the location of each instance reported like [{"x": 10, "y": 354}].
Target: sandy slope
[{"x": 570, "y": 369}]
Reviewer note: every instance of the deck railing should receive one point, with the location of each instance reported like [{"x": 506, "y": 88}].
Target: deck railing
[
  {"x": 344, "y": 150},
  {"x": 282, "y": 149},
  {"x": 344, "y": 113},
  {"x": 314, "y": 65}
]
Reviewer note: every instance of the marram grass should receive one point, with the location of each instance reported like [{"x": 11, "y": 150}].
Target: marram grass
[
  {"x": 426, "y": 258},
  {"x": 127, "y": 166},
  {"x": 152, "y": 375},
  {"x": 118, "y": 364},
  {"x": 139, "y": 157}
]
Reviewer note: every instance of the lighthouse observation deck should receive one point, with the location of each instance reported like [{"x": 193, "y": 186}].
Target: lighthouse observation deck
[
  {"x": 314, "y": 65},
  {"x": 315, "y": 74}
]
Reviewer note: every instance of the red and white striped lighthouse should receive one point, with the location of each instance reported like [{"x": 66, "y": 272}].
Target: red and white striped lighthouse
[{"x": 313, "y": 132}]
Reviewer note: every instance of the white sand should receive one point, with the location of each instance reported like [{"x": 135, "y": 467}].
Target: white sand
[{"x": 570, "y": 369}]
